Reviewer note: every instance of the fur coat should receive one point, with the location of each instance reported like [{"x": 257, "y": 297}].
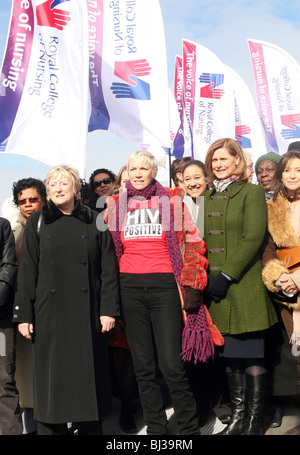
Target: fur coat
[{"x": 282, "y": 235}]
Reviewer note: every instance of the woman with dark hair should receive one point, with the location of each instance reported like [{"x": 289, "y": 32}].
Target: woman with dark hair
[
  {"x": 235, "y": 226},
  {"x": 281, "y": 272},
  {"x": 29, "y": 195},
  {"x": 195, "y": 182},
  {"x": 101, "y": 185}
]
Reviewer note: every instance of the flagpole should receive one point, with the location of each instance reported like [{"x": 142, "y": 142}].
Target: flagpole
[{"x": 170, "y": 162}]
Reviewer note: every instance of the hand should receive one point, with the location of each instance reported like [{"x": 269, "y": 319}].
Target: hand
[
  {"x": 192, "y": 299},
  {"x": 287, "y": 284},
  {"x": 216, "y": 79},
  {"x": 107, "y": 323},
  {"x": 48, "y": 16},
  {"x": 138, "y": 68},
  {"x": 217, "y": 287},
  {"x": 140, "y": 90},
  {"x": 207, "y": 91},
  {"x": 292, "y": 133},
  {"x": 26, "y": 330}
]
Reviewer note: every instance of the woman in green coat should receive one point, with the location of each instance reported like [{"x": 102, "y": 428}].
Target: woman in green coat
[{"x": 235, "y": 226}]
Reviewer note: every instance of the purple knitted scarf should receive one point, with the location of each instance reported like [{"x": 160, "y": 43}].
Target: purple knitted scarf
[
  {"x": 197, "y": 342},
  {"x": 155, "y": 189},
  {"x": 196, "y": 339}
]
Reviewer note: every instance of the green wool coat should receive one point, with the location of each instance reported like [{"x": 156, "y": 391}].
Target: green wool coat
[{"x": 235, "y": 223}]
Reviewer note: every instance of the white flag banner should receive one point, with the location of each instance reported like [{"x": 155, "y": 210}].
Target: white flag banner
[
  {"x": 208, "y": 98},
  {"x": 44, "y": 82},
  {"x": 248, "y": 129},
  {"x": 182, "y": 140},
  {"x": 276, "y": 76},
  {"x": 128, "y": 71}
]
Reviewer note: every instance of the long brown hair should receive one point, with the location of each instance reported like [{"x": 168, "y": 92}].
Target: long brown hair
[
  {"x": 279, "y": 187},
  {"x": 234, "y": 149}
]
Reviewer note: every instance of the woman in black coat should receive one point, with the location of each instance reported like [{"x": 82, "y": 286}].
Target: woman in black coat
[{"x": 67, "y": 300}]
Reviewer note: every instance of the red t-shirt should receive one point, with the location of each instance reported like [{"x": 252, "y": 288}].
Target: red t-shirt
[{"x": 144, "y": 240}]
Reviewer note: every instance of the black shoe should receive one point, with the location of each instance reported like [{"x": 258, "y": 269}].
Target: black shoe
[
  {"x": 127, "y": 423},
  {"x": 256, "y": 387},
  {"x": 276, "y": 420},
  {"x": 236, "y": 388}
]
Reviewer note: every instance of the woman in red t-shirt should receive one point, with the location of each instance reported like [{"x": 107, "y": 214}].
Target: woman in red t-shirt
[{"x": 160, "y": 255}]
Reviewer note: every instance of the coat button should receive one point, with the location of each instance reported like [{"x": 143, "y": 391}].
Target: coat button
[
  {"x": 83, "y": 236},
  {"x": 52, "y": 292},
  {"x": 16, "y": 307},
  {"x": 85, "y": 291},
  {"x": 83, "y": 262}
]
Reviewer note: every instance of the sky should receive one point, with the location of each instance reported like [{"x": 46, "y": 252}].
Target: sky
[{"x": 222, "y": 27}]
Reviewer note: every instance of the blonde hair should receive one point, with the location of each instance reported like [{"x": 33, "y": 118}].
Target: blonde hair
[
  {"x": 234, "y": 149},
  {"x": 68, "y": 172},
  {"x": 144, "y": 155},
  {"x": 119, "y": 178}
]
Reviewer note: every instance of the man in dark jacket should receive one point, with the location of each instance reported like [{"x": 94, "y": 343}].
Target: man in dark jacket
[{"x": 10, "y": 416}]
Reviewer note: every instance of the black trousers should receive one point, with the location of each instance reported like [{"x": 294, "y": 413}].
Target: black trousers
[
  {"x": 10, "y": 414},
  {"x": 155, "y": 314}
]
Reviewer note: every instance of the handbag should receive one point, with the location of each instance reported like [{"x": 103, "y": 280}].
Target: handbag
[
  {"x": 116, "y": 336},
  {"x": 290, "y": 257}
]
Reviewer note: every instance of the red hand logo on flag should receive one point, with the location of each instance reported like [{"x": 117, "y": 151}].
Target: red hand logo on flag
[
  {"x": 242, "y": 129},
  {"x": 209, "y": 92},
  {"x": 132, "y": 68},
  {"x": 290, "y": 120},
  {"x": 48, "y": 16}
]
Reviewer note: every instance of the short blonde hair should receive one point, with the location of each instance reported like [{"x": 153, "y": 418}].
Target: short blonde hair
[
  {"x": 68, "y": 172},
  {"x": 234, "y": 149},
  {"x": 144, "y": 155}
]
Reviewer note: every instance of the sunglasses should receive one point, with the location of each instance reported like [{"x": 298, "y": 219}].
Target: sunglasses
[
  {"x": 31, "y": 200},
  {"x": 98, "y": 183}
]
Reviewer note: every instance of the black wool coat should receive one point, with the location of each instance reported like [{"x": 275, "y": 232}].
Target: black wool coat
[{"x": 67, "y": 279}]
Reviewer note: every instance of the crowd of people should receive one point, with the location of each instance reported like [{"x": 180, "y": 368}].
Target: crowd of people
[{"x": 112, "y": 287}]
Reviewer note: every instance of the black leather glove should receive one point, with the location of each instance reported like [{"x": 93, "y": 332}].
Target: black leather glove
[
  {"x": 192, "y": 299},
  {"x": 217, "y": 287}
]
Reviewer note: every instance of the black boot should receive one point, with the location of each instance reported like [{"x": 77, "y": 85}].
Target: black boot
[
  {"x": 236, "y": 388},
  {"x": 255, "y": 397}
]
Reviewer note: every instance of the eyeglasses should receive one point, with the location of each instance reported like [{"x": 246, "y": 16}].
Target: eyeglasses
[
  {"x": 98, "y": 183},
  {"x": 31, "y": 200}
]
